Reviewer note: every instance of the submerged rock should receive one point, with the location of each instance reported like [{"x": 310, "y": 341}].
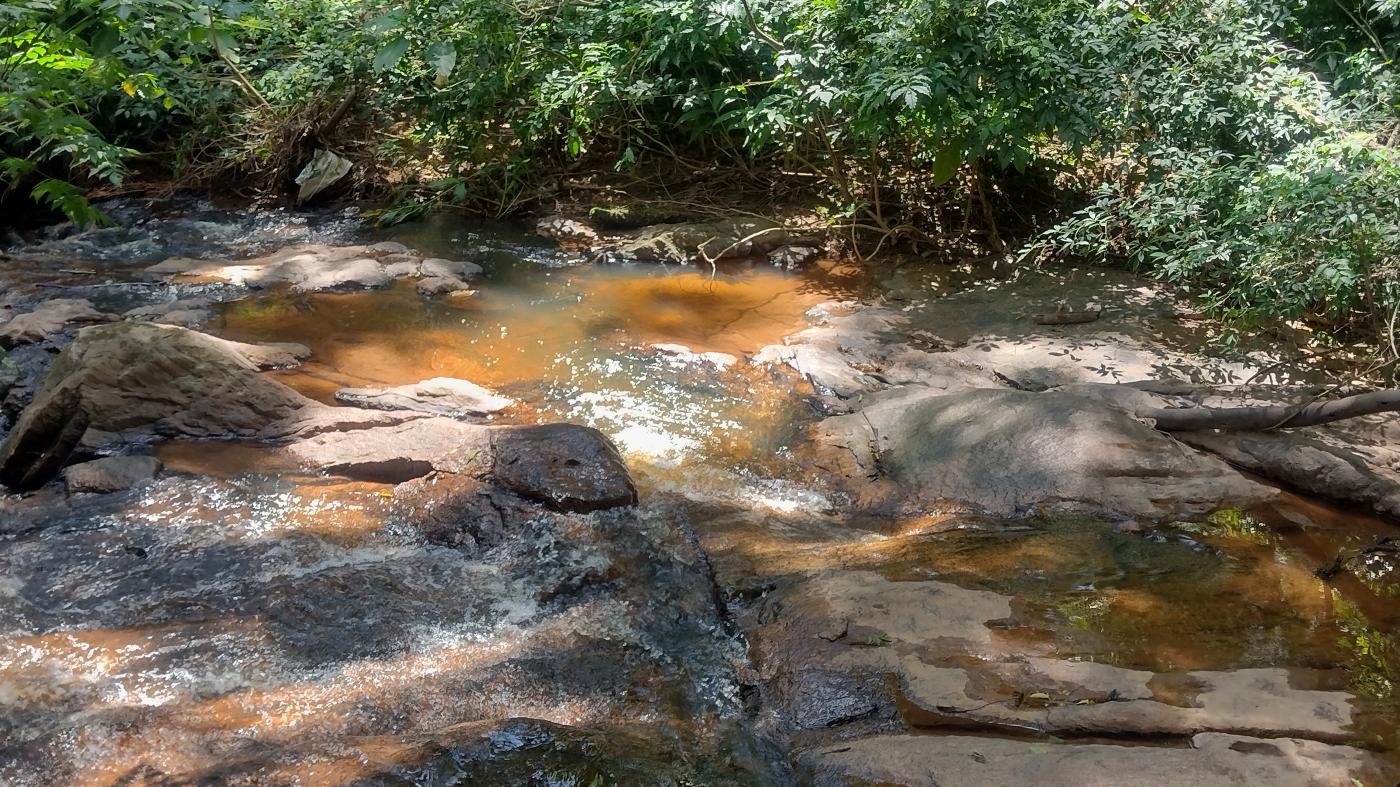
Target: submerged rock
[
  {"x": 110, "y": 474},
  {"x": 47, "y": 319},
  {"x": 1006, "y": 452},
  {"x": 189, "y": 312},
  {"x": 447, "y": 396},
  {"x": 434, "y": 286}
]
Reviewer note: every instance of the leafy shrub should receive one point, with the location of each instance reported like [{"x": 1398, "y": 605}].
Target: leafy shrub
[{"x": 1242, "y": 149}]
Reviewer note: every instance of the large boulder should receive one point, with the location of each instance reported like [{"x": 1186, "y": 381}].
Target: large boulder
[
  {"x": 1354, "y": 460},
  {"x": 131, "y": 382},
  {"x": 1006, "y": 452}
]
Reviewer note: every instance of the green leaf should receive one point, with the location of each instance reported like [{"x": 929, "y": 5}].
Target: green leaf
[
  {"x": 390, "y": 54},
  {"x": 12, "y": 169},
  {"x": 442, "y": 56},
  {"x": 105, "y": 40},
  {"x": 384, "y": 23},
  {"x": 947, "y": 161}
]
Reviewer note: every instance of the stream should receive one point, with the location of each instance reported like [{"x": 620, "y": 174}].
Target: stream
[{"x": 241, "y": 619}]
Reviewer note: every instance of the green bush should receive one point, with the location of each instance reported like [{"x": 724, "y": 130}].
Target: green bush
[{"x": 1241, "y": 149}]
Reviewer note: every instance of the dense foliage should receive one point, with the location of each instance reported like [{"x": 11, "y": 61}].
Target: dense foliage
[{"x": 1244, "y": 149}]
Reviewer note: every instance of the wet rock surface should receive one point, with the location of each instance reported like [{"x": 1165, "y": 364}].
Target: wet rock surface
[
  {"x": 587, "y": 625},
  {"x": 963, "y": 760},
  {"x": 916, "y": 543},
  {"x": 440, "y": 396},
  {"x": 566, "y": 467}
]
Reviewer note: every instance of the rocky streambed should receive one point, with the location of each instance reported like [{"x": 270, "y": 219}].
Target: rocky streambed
[{"x": 293, "y": 501}]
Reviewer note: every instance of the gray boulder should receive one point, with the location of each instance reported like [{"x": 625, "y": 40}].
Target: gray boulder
[
  {"x": 132, "y": 382},
  {"x": 563, "y": 466},
  {"x": 1007, "y": 452}
]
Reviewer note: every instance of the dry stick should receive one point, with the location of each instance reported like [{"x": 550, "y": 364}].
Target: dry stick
[
  {"x": 1266, "y": 417},
  {"x": 237, "y": 73},
  {"x": 731, "y": 247}
]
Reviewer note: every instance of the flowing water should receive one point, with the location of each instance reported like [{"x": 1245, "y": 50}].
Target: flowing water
[{"x": 241, "y": 619}]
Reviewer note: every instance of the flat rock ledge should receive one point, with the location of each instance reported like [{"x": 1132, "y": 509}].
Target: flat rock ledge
[
  {"x": 1006, "y": 453},
  {"x": 447, "y": 396},
  {"x": 322, "y": 268},
  {"x": 1212, "y": 760}
]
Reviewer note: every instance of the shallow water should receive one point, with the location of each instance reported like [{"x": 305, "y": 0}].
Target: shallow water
[{"x": 245, "y": 620}]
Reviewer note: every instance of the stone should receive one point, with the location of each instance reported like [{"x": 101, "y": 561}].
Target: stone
[
  {"x": 305, "y": 268},
  {"x": 440, "y": 396},
  {"x": 566, "y": 467},
  {"x": 1354, "y": 460},
  {"x": 793, "y": 257},
  {"x": 1214, "y": 760},
  {"x": 271, "y": 355},
  {"x": 566, "y": 231},
  {"x": 850, "y": 351},
  {"x": 461, "y": 511},
  {"x": 188, "y": 312},
  {"x": 47, "y": 319},
  {"x": 436, "y": 267},
  {"x": 1306, "y": 461},
  {"x": 388, "y": 247},
  {"x": 130, "y": 382},
  {"x": 400, "y": 452},
  {"x": 110, "y": 474},
  {"x": 683, "y": 354},
  {"x": 358, "y": 274},
  {"x": 1006, "y": 452},
  {"x": 442, "y": 285}
]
